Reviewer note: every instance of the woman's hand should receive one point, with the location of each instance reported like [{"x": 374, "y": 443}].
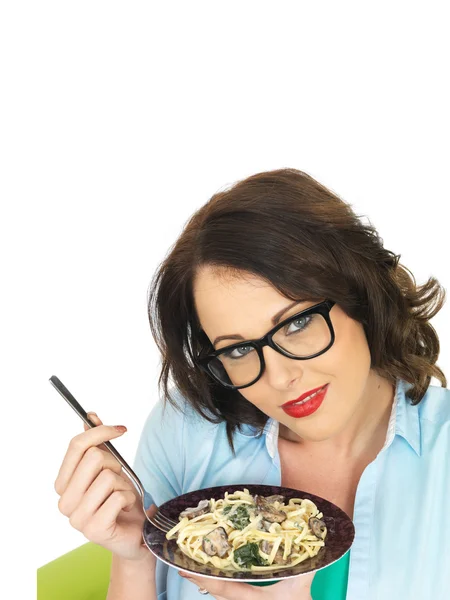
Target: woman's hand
[
  {"x": 294, "y": 587},
  {"x": 97, "y": 497}
]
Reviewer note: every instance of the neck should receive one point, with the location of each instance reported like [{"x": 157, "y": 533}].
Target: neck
[{"x": 364, "y": 434}]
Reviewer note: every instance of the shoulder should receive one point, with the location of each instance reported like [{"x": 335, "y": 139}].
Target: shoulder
[
  {"x": 168, "y": 439},
  {"x": 434, "y": 425},
  {"x": 172, "y": 422},
  {"x": 435, "y": 406},
  {"x": 169, "y": 413}
]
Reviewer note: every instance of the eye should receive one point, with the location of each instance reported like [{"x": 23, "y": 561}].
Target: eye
[
  {"x": 300, "y": 324},
  {"x": 237, "y": 352}
]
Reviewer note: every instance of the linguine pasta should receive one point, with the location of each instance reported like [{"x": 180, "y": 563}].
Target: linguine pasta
[{"x": 244, "y": 532}]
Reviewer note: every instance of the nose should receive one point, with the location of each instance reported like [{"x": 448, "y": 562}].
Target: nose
[{"x": 281, "y": 372}]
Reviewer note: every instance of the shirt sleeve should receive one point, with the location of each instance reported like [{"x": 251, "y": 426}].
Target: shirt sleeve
[{"x": 159, "y": 457}]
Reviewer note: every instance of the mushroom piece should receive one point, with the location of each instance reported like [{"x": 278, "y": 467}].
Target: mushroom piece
[
  {"x": 318, "y": 527},
  {"x": 216, "y": 542},
  {"x": 201, "y": 509},
  {"x": 274, "y": 498},
  {"x": 279, "y": 560},
  {"x": 263, "y": 525},
  {"x": 266, "y": 546},
  {"x": 268, "y": 512}
]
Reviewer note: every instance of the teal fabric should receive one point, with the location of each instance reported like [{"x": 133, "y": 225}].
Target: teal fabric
[{"x": 329, "y": 583}]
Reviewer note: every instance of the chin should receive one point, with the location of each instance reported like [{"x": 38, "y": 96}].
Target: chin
[
  {"x": 317, "y": 438},
  {"x": 317, "y": 434}
]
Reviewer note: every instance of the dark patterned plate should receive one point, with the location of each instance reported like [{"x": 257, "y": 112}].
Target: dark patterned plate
[{"x": 340, "y": 534}]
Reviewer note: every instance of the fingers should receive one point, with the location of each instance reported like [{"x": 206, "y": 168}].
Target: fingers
[
  {"x": 295, "y": 587},
  {"x": 77, "y": 448},
  {"x": 99, "y": 500},
  {"x": 91, "y": 467},
  {"x": 226, "y": 590},
  {"x": 88, "y": 511},
  {"x": 105, "y": 519}
]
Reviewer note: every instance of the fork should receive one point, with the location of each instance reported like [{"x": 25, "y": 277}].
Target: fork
[{"x": 159, "y": 520}]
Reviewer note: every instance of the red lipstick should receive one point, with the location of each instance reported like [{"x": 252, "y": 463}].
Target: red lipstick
[{"x": 307, "y": 407}]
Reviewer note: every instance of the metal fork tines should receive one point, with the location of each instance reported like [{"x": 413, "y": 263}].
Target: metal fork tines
[{"x": 162, "y": 522}]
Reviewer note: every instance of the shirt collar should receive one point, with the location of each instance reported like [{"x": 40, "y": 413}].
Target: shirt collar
[
  {"x": 407, "y": 421},
  {"x": 271, "y": 430},
  {"x": 404, "y": 421}
]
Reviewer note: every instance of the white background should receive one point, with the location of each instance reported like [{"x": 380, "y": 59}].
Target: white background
[{"x": 118, "y": 120}]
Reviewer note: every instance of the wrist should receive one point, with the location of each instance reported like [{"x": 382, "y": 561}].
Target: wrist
[
  {"x": 132, "y": 579},
  {"x": 144, "y": 559}
]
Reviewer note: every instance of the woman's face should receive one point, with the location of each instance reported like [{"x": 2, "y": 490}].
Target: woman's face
[{"x": 245, "y": 306}]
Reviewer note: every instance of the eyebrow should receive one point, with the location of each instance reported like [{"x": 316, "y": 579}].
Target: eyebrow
[{"x": 275, "y": 320}]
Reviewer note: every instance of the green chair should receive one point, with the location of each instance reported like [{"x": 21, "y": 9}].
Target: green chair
[{"x": 83, "y": 574}]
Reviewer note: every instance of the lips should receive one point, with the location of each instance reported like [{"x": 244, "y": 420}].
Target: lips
[
  {"x": 308, "y": 407},
  {"x": 303, "y": 396}
]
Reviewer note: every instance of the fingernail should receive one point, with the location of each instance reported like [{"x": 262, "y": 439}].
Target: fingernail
[{"x": 120, "y": 428}]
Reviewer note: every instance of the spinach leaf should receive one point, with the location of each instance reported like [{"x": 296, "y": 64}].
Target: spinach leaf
[
  {"x": 249, "y": 555},
  {"x": 240, "y": 517}
]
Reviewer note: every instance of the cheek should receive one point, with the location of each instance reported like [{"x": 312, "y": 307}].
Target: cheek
[
  {"x": 350, "y": 340},
  {"x": 255, "y": 395},
  {"x": 349, "y": 359}
]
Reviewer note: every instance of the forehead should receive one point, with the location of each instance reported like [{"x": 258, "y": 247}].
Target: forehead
[
  {"x": 234, "y": 300},
  {"x": 219, "y": 282}
]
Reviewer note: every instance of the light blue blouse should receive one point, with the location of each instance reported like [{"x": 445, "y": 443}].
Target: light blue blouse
[{"x": 401, "y": 549}]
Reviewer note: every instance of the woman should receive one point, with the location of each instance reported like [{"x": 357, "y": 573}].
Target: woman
[{"x": 301, "y": 355}]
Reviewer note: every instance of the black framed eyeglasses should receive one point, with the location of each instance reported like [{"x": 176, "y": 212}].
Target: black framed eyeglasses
[{"x": 307, "y": 334}]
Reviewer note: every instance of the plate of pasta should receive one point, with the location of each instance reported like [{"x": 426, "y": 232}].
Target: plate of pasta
[{"x": 251, "y": 533}]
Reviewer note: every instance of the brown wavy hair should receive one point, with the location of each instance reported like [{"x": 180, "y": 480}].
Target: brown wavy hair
[{"x": 294, "y": 233}]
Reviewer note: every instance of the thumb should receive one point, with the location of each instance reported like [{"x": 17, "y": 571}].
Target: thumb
[
  {"x": 94, "y": 418},
  {"x": 151, "y": 510},
  {"x": 223, "y": 590}
]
